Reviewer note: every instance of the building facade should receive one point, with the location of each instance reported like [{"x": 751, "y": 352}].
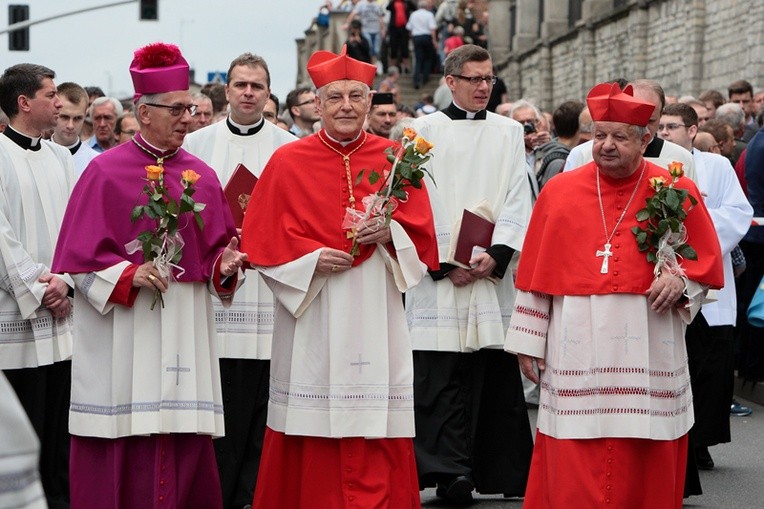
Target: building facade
[{"x": 556, "y": 50}]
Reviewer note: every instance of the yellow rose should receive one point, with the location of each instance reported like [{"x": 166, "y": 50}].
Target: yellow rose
[
  {"x": 422, "y": 146},
  {"x": 409, "y": 133},
  {"x": 190, "y": 176},
  {"x": 675, "y": 169},
  {"x": 153, "y": 172},
  {"x": 657, "y": 182}
]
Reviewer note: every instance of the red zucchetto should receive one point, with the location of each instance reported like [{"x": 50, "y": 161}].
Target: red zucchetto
[
  {"x": 325, "y": 67},
  {"x": 607, "y": 102},
  {"x": 158, "y": 68}
]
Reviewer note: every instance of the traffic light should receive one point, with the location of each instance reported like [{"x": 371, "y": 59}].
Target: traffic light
[
  {"x": 18, "y": 40},
  {"x": 149, "y": 10}
]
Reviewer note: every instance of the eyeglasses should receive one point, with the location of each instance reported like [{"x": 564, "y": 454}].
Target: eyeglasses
[
  {"x": 176, "y": 110},
  {"x": 670, "y": 127},
  {"x": 475, "y": 80},
  {"x": 309, "y": 101}
]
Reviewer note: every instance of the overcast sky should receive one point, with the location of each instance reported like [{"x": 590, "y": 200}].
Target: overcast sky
[{"x": 96, "y": 48}]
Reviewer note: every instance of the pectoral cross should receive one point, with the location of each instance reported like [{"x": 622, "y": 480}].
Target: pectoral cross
[{"x": 607, "y": 253}]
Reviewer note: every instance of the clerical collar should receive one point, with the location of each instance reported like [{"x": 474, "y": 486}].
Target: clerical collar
[
  {"x": 22, "y": 140},
  {"x": 455, "y": 112},
  {"x": 73, "y": 148},
  {"x": 244, "y": 130},
  {"x": 654, "y": 148},
  {"x": 159, "y": 154},
  {"x": 343, "y": 143}
]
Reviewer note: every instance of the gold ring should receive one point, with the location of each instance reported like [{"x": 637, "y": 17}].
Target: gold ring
[
  {"x": 151, "y": 277},
  {"x": 334, "y": 268}
]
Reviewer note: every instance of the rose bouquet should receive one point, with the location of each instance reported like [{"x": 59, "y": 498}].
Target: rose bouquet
[
  {"x": 664, "y": 237},
  {"x": 406, "y": 171},
  {"x": 163, "y": 245}
]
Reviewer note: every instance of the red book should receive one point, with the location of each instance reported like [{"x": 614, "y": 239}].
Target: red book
[
  {"x": 474, "y": 231},
  {"x": 237, "y": 192}
]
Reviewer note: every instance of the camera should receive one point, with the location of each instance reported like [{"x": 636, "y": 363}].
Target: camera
[{"x": 529, "y": 128}]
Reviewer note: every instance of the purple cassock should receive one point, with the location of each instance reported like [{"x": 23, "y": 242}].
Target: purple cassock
[
  {"x": 97, "y": 223},
  {"x": 159, "y": 470}
]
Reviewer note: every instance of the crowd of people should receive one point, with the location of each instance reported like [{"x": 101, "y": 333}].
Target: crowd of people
[
  {"x": 142, "y": 319},
  {"x": 385, "y": 33}
]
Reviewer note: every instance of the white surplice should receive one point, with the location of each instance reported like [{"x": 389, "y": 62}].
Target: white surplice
[
  {"x": 670, "y": 152},
  {"x": 597, "y": 349},
  {"x": 245, "y": 328},
  {"x": 342, "y": 364},
  {"x": 473, "y": 161},
  {"x": 137, "y": 371},
  {"x": 731, "y": 214},
  {"x": 34, "y": 190},
  {"x": 20, "y": 486}
]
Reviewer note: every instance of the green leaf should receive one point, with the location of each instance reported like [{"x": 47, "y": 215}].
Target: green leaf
[
  {"x": 172, "y": 207},
  {"x": 390, "y": 158},
  {"x": 359, "y": 177},
  {"x": 651, "y": 257},
  {"x": 373, "y": 177},
  {"x": 686, "y": 251},
  {"x": 137, "y": 213},
  {"x": 145, "y": 235},
  {"x": 199, "y": 220},
  {"x": 672, "y": 200},
  {"x": 198, "y": 207},
  {"x": 643, "y": 215}
]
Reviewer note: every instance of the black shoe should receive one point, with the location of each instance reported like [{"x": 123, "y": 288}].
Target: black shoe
[
  {"x": 703, "y": 458},
  {"x": 458, "y": 491}
]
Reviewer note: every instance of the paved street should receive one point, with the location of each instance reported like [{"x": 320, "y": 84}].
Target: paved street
[{"x": 737, "y": 482}]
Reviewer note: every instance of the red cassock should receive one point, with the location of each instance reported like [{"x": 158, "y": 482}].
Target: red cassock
[
  {"x": 296, "y": 208},
  {"x": 559, "y": 253},
  {"x": 299, "y": 202}
]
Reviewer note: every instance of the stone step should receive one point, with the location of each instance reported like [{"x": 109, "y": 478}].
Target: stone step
[{"x": 409, "y": 95}]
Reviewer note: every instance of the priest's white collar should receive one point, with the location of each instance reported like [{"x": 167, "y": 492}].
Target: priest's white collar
[
  {"x": 23, "y": 140},
  {"x": 470, "y": 114},
  {"x": 245, "y": 130},
  {"x": 343, "y": 143},
  {"x": 456, "y": 112},
  {"x": 153, "y": 147},
  {"x": 72, "y": 148}
]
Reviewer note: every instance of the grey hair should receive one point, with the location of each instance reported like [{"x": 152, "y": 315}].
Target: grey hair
[
  {"x": 731, "y": 113},
  {"x": 396, "y": 133},
  {"x": 145, "y": 99},
  {"x": 198, "y": 96},
  {"x": 118, "y": 109},
  {"x": 524, "y": 104}
]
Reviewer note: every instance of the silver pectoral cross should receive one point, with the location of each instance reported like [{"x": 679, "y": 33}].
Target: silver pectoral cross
[{"x": 607, "y": 253}]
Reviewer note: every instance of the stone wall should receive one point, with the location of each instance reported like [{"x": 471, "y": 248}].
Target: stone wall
[{"x": 687, "y": 45}]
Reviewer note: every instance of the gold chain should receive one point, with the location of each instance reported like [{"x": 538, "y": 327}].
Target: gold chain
[
  {"x": 346, "y": 160},
  {"x": 160, "y": 159}
]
